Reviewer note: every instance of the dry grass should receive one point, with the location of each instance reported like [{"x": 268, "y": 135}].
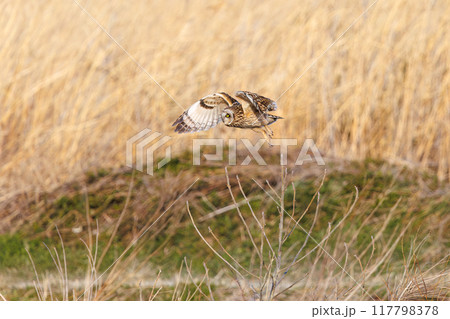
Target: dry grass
[
  {"x": 328, "y": 260},
  {"x": 334, "y": 267},
  {"x": 70, "y": 98}
]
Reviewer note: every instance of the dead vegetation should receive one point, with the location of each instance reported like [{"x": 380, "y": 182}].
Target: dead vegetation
[
  {"x": 70, "y": 98},
  {"x": 282, "y": 239}
]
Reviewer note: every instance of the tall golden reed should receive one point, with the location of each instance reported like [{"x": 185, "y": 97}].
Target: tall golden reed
[{"x": 70, "y": 97}]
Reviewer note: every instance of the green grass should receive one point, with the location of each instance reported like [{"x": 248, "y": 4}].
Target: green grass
[{"x": 175, "y": 237}]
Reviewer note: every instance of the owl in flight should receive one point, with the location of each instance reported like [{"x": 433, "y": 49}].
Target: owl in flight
[{"x": 249, "y": 111}]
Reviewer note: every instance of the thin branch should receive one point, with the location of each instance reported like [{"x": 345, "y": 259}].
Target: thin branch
[
  {"x": 254, "y": 216},
  {"x": 228, "y": 254},
  {"x": 210, "y": 247},
  {"x": 119, "y": 221},
  {"x": 208, "y": 281},
  {"x": 239, "y": 212},
  {"x": 38, "y": 287}
]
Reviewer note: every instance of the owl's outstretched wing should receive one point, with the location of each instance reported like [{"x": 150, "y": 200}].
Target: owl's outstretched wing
[
  {"x": 261, "y": 103},
  {"x": 203, "y": 114}
]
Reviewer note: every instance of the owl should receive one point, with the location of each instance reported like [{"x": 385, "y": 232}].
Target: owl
[{"x": 248, "y": 111}]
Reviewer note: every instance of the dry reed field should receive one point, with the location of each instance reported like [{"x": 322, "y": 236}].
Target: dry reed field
[
  {"x": 70, "y": 97},
  {"x": 372, "y": 91}
]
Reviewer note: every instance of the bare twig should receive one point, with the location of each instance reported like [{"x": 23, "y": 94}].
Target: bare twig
[
  {"x": 119, "y": 221},
  {"x": 229, "y": 255},
  {"x": 210, "y": 247},
  {"x": 208, "y": 282},
  {"x": 239, "y": 213},
  {"x": 153, "y": 295},
  {"x": 37, "y": 286}
]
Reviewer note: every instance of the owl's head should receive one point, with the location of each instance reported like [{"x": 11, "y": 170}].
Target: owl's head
[{"x": 227, "y": 116}]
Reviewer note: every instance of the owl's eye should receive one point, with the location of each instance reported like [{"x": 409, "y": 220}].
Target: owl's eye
[{"x": 228, "y": 115}]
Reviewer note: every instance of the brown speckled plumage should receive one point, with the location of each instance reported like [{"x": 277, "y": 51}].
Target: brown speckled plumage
[{"x": 248, "y": 112}]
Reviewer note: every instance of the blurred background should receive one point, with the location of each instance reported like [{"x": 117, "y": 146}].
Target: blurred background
[{"x": 70, "y": 98}]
